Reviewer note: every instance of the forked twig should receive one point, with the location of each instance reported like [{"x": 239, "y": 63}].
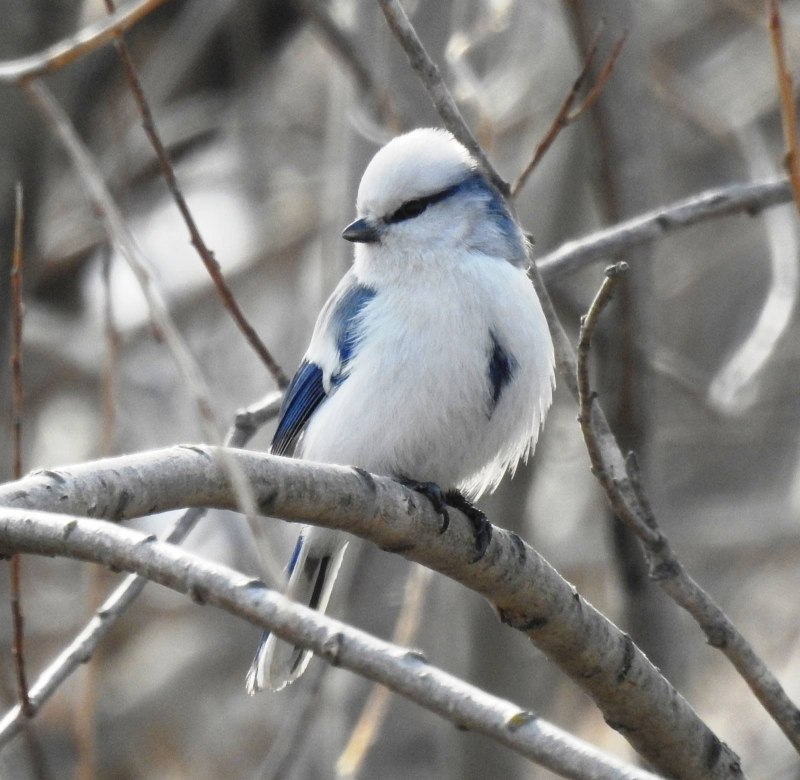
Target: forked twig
[
  {"x": 566, "y": 114},
  {"x": 622, "y": 485}
]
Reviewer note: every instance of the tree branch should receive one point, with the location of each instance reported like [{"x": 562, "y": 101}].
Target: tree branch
[
  {"x": 84, "y": 645},
  {"x": 565, "y": 114},
  {"x": 631, "y": 505},
  {"x": 204, "y": 253},
  {"x": 15, "y": 565},
  {"x": 787, "y": 100},
  {"x": 88, "y": 39},
  {"x": 431, "y": 78},
  {"x": 527, "y": 592},
  {"x": 339, "y": 644},
  {"x": 648, "y": 227}
]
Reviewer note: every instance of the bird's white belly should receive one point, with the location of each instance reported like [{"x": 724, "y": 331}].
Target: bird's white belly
[{"x": 417, "y": 401}]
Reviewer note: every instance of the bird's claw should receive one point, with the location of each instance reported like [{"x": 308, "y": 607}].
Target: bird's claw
[
  {"x": 435, "y": 495},
  {"x": 481, "y": 526}
]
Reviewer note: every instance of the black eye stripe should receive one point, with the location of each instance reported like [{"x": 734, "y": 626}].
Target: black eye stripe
[{"x": 415, "y": 207}]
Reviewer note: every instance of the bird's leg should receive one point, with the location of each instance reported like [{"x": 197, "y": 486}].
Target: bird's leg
[
  {"x": 434, "y": 494},
  {"x": 480, "y": 524}
]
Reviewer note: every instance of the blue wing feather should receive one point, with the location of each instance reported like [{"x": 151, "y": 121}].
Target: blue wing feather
[
  {"x": 340, "y": 322},
  {"x": 306, "y": 392}
]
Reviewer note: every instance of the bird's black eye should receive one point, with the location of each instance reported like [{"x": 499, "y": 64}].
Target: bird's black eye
[{"x": 413, "y": 208}]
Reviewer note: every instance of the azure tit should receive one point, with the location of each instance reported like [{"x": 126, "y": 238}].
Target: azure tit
[{"x": 431, "y": 362}]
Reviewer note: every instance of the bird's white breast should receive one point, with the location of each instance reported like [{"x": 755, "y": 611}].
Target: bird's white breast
[{"x": 417, "y": 400}]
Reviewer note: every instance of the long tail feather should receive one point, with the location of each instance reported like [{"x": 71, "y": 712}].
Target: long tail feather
[{"x": 313, "y": 571}]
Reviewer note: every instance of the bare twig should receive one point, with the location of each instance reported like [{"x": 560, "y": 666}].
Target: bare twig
[
  {"x": 16, "y": 333},
  {"x": 566, "y": 115},
  {"x": 431, "y": 78},
  {"x": 725, "y": 201},
  {"x": 602, "y": 78},
  {"x": 787, "y": 100},
  {"x": 101, "y": 199},
  {"x": 81, "y": 43},
  {"x": 85, "y": 644},
  {"x": 206, "y": 256},
  {"x": 15, "y": 568},
  {"x": 626, "y": 496},
  {"x": 373, "y": 714},
  {"x": 403, "y": 671},
  {"x": 527, "y": 592}
]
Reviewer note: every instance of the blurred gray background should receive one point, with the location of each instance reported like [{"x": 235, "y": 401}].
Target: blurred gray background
[{"x": 698, "y": 358}]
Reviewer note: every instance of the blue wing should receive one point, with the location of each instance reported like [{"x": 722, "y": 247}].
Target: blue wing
[
  {"x": 306, "y": 392},
  {"x": 339, "y": 329}
]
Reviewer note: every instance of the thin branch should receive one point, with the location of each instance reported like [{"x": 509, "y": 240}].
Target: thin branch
[
  {"x": 88, "y": 39},
  {"x": 104, "y": 205},
  {"x": 566, "y": 115},
  {"x": 431, "y": 78},
  {"x": 725, "y": 201},
  {"x": 630, "y": 504},
  {"x": 15, "y": 567},
  {"x": 526, "y": 591},
  {"x": 16, "y": 333},
  {"x": 85, "y": 644},
  {"x": 602, "y": 78},
  {"x": 787, "y": 100},
  {"x": 337, "y": 643},
  {"x": 206, "y": 256},
  {"x": 372, "y": 716}
]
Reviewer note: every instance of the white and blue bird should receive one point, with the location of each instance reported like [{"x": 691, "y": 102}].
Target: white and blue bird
[{"x": 431, "y": 362}]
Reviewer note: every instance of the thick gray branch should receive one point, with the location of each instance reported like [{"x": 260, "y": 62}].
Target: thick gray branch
[
  {"x": 649, "y": 227},
  {"x": 341, "y": 645},
  {"x": 527, "y": 592}
]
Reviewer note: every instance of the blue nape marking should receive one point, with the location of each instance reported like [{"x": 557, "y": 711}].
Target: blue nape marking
[
  {"x": 497, "y": 212},
  {"x": 346, "y": 326},
  {"x": 502, "y": 366},
  {"x": 305, "y": 394}
]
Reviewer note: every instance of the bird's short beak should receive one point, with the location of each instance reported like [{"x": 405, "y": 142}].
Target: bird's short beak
[{"x": 361, "y": 231}]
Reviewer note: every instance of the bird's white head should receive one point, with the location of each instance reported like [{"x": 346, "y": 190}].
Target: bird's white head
[{"x": 423, "y": 198}]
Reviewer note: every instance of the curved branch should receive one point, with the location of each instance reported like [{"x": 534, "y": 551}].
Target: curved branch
[
  {"x": 632, "y": 506},
  {"x": 339, "y": 644},
  {"x": 86, "y": 40},
  {"x": 80, "y": 650},
  {"x": 527, "y": 592},
  {"x": 648, "y": 227}
]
